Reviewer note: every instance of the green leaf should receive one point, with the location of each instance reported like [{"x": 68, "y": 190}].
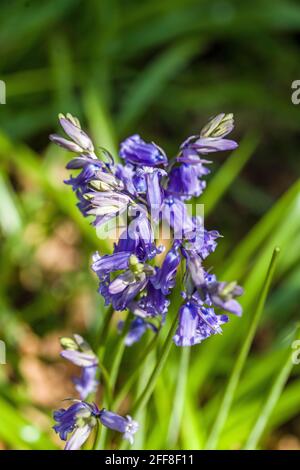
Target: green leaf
[{"x": 234, "y": 378}]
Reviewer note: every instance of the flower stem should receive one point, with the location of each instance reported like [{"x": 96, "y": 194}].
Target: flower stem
[
  {"x": 163, "y": 354},
  {"x": 179, "y": 399},
  {"x": 104, "y": 332},
  {"x": 133, "y": 377},
  {"x": 97, "y": 436},
  {"x": 226, "y": 403},
  {"x": 101, "y": 437},
  {"x": 119, "y": 355}
]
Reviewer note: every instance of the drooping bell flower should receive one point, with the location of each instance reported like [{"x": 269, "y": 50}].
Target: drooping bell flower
[
  {"x": 127, "y": 426},
  {"x": 175, "y": 214},
  {"x": 78, "y": 351},
  {"x": 136, "y": 151},
  {"x": 120, "y": 289},
  {"x": 210, "y": 140},
  {"x": 196, "y": 324},
  {"x": 185, "y": 181},
  {"x": 164, "y": 278},
  {"x": 78, "y": 420}
]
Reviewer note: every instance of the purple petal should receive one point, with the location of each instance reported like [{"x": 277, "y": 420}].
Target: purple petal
[
  {"x": 78, "y": 358},
  {"x": 78, "y": 438},
  {"x": 135, "y": 150},
  {"x": 76, "y": 134},
  {"x": 65, "y": 143}
]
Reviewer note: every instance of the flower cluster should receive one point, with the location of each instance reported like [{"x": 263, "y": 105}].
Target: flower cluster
[
  {"x": 81, "y": 417},
  {"x": 153, "y": 191}
]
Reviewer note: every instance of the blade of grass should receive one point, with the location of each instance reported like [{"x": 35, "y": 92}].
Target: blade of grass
[
  {"x": 270, "y": 403},
  {"x": 227, "y": 173},
  {"x": 28, "y": 162},
  {"x": 153, "y": 80},
  {"x": 141, "y": 417},
  {"x": 249, "y": 245},
  {"x": 101, "y": 125},
  {"x": 241, "y": 359},
  {"x": 193, "y": 429},
  {"x": 10, "y": 208}
]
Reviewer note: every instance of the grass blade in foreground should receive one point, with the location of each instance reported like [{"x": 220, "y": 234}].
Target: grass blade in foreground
[
  {"x": 227, "y": 173},
  {"x": 270, "y": 403},
  {"x": 218, "y": 426},
  {"x": 179, "y": 398}
]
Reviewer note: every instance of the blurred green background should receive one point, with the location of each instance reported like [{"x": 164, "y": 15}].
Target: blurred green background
[{"x": 161, "y": 69}]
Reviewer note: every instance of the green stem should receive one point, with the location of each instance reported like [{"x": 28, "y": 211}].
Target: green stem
[
  {"x": 270, "y": 403},
  {"x": 104, "y": 332},
  {"x": 133, "y": 377},
  {"x": 97, "y": 436},
  {"x": 163, "y": 354},
  {"x": 108, "y": 397},
  {"x": 119, "y": 355},
  {"x": 179, "y": 399},
  {"x": 226, "y": 403},
  {"x": 107, "y": 382}
]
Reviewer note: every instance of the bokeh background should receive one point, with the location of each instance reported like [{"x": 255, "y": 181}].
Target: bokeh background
[{"x": 161, "y": 69}]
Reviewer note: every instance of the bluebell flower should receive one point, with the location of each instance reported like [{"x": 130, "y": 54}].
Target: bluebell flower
[
  {"x": 165, "y": 276},
  {"x": 81, "y": 181},
  {"x": 105, "y": 264},
  {"x": 105, "y": 205},
  {"x": 126, "y": 174},
  {"x": 210, "y": 144},
  {"x": 134, "y": 150},
  {"x": 222, "y": 295},
  {"x": 211, "y": 140},
  {"x": 138, "y": 237},
  {"x": 152, "y": 303},
  {"x": 219, "y": 126},
  {"x": 197, "y": 323},
  {"x": 120, "y": 297},
  {"x": 130, "y": 241},
  {"x": 175, "y": 214},
  {"x": 121, "y": 289},
  {"x": 137, "y": 328},
  {"x": 78, "y": 351},
  {"x": 78, "y": 420},
  {"x": 154, "y": 190},
  {"x": 209, "y": 242},
  {"x": 211, "y": 292},
  {"x": 86, "y": 383},
  {"x": 127, "y": 426},
  {"x": 140, "y": 228},
  {"x": 195, "y": 268},
  {"x": 199, "y": 244},
  {"x": 198, "y": 240},
  {"x": 80, "y": 141},
  {"x": 185, "y": 180}
]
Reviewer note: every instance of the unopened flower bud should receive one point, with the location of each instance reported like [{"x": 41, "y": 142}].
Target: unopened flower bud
[
  {"x": 219, "y": 126},
  {"x": 73, "y": 130}
]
